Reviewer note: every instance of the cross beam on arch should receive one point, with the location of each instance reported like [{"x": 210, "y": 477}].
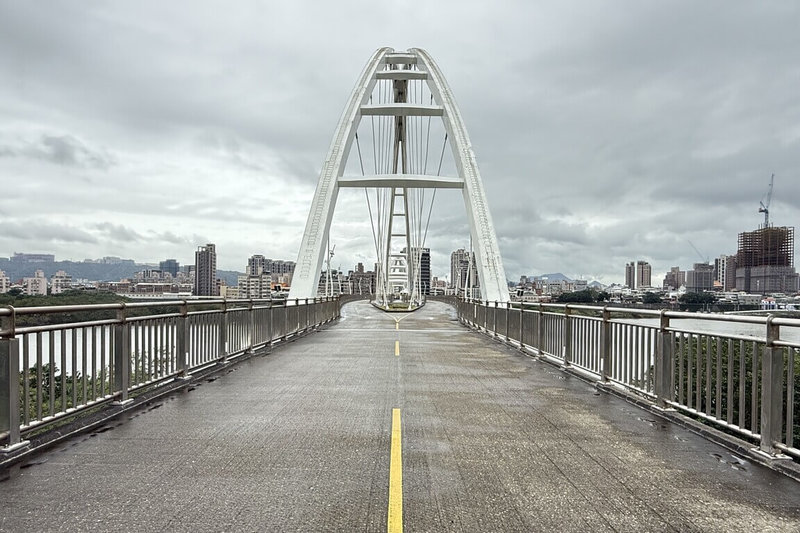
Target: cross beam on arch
[{"x": 398, "y": 72}]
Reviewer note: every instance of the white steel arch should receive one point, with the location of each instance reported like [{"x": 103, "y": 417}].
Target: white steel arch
[{"x": 383, "y": 65}]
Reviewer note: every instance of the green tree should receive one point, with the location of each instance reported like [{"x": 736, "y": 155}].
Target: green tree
[
  {"x": 695, "y": 301},
  {"x": 585, "y": 296},
  {"x": 651, "y": 298}
]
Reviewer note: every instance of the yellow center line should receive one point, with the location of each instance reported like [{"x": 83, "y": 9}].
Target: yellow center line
[
  {"x": 397, "y": 325},
  {"x": 394, "y": 522},
  {"x": 397, "y": 348}
]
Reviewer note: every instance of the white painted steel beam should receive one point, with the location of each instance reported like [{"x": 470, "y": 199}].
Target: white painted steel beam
[
  {"x": 401, "y": 58},
  {"x": 397, "y": 74},
  {"x": 402, "y": 110},
  {"x": 409, "y": 181}
]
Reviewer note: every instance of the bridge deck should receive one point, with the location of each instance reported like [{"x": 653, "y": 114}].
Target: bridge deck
[{"x": 300, "y": 440}]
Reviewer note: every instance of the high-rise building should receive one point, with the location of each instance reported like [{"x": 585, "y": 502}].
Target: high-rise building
[
  {"x": 765, "y": 261},
  {"x": 257, "y": 280},
  {"x": 643, "y": 271},
  {"x": 421, "y": 257},
  {"x": 282, "y": 271},
  {"x": 256, "y": 286},
  {"x": 630, "y": 275},
  {"x": 361, "y": 281},
  {"x": 171, "y": 266},
  {"x": 674, "y": 279},
  {"x": 425, "y": 271},
  {"x": 60, "y": 282},
  {"x": 205, "y": 278},
  {"x": 463, "y": 271},
  {"x": 5, "y": 282},
  {"x": 700, "y": 278},
  {"x": 36, "y": 285},
  {"x": 257, "y": 265},
  {"x": 725, "y": 271}
]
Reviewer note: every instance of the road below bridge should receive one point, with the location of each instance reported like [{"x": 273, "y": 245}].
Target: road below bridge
[{"x": 302, "y": 440}]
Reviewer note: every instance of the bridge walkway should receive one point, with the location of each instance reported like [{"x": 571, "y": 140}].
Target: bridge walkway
[{"x": 300, "y": 440}]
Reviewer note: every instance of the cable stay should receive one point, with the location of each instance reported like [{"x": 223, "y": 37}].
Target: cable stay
[{"x": 400, "y": 210}]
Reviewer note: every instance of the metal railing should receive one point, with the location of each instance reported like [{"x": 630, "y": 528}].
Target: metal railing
[
  {"x": 741, "y": 373},
  {"x": 61, "y": 360}
]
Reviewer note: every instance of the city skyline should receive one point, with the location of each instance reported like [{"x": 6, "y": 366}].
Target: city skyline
[{"x": 602, "y": 136}]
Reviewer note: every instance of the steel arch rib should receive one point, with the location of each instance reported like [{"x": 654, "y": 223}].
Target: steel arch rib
[
  {"x": 491, "y": 273},
  {"x": 312, "y": 247}
]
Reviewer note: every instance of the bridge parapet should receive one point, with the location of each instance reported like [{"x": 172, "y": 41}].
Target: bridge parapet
[
  {"x": 738, "y": 373},
  {"x": 60, "y": 361}
]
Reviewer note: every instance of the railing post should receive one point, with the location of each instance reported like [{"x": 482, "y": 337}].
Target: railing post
[
  {"x": 539, "y": 321},
  {"x": 508, "y": 313},
  {"x": 270, "y": 321},
  {"x": 567, "y": 341},
  {"x": 521, "y": 329},
  {"x": 223, "y": 333},
  {"x": 771, "y": 391},
  {"x": 9, "y": 384},
  {"x": 252, "y": 325},
  {"x": 285, "y": 319},
  {"x": 122, "y": 357},
  {"x": 494, "y": 327},
  {"x": 664, "y": 387},
  {"x": 182, "y": 340},
  {"x": 297, "y": 308},
  {"x": 605, "y": 345}
]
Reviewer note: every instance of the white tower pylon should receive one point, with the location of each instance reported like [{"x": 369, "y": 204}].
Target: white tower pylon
[{"x": 416, "y": 66}]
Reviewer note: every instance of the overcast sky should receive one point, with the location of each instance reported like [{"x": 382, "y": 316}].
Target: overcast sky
[{"x": 606, "y": 132}]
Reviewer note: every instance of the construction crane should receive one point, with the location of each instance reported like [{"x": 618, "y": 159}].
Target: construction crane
[
  {"x": 765, "y": 207},
  {"x": 704, "y": 259}
]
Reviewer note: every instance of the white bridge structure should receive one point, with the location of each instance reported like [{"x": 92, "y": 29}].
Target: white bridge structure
[{"x": 400, "y": 102}]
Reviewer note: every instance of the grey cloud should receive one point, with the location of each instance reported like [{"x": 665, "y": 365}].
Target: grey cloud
[
  {"x": 119, "y": 232},
  {"x": 35, "y": 233},
  {"x": 603, "y": 135},
  {"x": 62, "y": 150}
]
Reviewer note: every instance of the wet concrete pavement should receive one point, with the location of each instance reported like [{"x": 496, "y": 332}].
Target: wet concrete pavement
[{"x": 299, "y": 440}]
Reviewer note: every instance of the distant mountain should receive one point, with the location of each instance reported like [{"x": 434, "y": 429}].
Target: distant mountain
[
  {"x": 230, "y": 277},
  {"x": 90, "y": 271},
  {"x": 557, "y": 276}
]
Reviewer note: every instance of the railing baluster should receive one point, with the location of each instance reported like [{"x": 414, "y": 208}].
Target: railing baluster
[
  {"x": 698, "y": 382},
  {"x": 84, "y": 365},
  {"x": 63, "y": 406},
  {"x": 94, "y": 361},
  {"x": 718, "y": 388},
  {"x": 754, "y": 414},
  {"x": 24, "y": 372},
  {"x": 793, "y": 354}
]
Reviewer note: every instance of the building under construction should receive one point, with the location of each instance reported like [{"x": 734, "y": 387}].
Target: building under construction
[{"x": 765, "y": 261}]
